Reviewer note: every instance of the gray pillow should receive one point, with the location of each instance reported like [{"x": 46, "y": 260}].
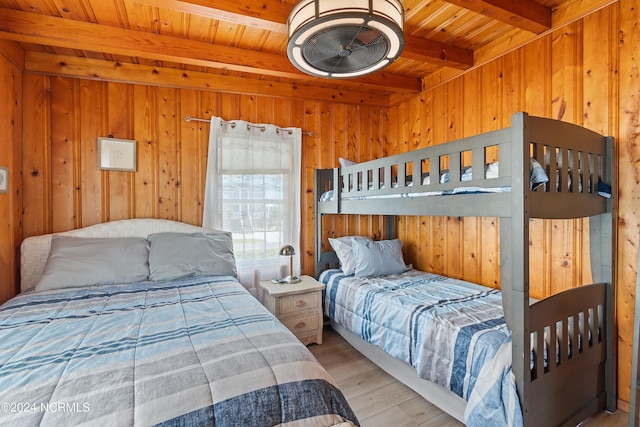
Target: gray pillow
[
  {"x": 344, "y": 251},
  {"x": 180, "y": 255},
  {"x": 378, "y": 258},
  {"x": 88, "y": 261}
]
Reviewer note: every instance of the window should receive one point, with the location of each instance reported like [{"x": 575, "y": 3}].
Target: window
[{"x": 253, "y": 190}]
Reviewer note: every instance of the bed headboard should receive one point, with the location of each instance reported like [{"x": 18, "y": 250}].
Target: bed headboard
[{"x": 35, "y": 250}]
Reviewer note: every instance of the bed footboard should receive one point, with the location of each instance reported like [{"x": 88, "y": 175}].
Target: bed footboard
[{"x": 569, "y": 343}]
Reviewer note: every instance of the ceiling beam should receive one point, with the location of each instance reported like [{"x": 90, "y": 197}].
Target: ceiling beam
[
  {"x": 266, "y": 15},
  {"x": 98, "y": 69},
  {"x": 424, "y": 50},
  {"x": 524, "y": 14},
  {"x": 271, "y": 15},
  {"x": 41, "y": 29}
]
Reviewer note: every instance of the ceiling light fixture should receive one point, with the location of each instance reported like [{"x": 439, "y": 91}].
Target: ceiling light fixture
[{"x": 329, "y": 39}]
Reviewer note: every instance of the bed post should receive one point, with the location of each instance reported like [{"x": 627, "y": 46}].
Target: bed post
[
  {"x": 324, "y": 180},
  {"x": 390, "y": 226},
  {"x": 320, "y": 176},
  {"x": 514, "y": 258},
  {"x": 602, "y": 250}
]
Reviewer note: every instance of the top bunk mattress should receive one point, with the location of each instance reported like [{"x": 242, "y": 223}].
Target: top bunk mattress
[{"x": 538, "y": 178}]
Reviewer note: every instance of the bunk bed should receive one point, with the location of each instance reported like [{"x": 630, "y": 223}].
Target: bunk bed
[{"x": 494, "y": 175}]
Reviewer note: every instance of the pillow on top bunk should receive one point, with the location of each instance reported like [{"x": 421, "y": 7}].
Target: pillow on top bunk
[
  {"x": 88, "y": 261},
  {"x": 537, "y": 175},
  {"x": 378, "y": 258},
  {"x": 343, "y": 246},
  {"x": 181, "y": 255},
  {"x": 491, "y": 171},
  {"x": 345, "y": 162}
]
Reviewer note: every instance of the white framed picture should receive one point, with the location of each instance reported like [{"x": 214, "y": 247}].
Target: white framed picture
[
  {"x": 117, "y": 154},
  {"x": 4, "y": 180}
]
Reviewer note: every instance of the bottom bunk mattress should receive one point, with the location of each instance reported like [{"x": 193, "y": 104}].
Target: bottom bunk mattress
[
  {"x": 199, "y": 351},
  {"x": 452, "y": 332}
]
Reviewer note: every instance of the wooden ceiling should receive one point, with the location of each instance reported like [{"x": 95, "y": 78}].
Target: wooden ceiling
[{"x": 241, "y": 45}]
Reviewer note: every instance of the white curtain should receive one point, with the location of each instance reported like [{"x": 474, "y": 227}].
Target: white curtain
[{"x": 253, "y": 190}]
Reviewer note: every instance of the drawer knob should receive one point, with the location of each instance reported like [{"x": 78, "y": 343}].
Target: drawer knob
[
  {"x": 301, "y": 325},
  {"x": 300, "y": 303}
]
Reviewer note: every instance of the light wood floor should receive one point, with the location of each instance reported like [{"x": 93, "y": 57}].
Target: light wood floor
[{"x": 379, "y": 400}]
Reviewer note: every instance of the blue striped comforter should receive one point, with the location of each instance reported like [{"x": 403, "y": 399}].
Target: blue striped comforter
[
  {"x": 452, "y": 332},
  {"x": 199, "y": 351}
]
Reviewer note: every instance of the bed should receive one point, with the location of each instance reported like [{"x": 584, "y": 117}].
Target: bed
[
  {"x": 562, "y": 348},
  {"x": 186, "y": 345}
]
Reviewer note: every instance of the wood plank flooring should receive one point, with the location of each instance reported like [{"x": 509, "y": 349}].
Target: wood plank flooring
[{"x": 380, "y": 401}]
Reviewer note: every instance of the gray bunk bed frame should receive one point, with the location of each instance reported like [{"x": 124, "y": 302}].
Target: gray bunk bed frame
[{"x": 580, "y": 383}]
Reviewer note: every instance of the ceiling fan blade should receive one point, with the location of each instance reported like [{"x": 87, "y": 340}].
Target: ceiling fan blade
[{"x": 345, "y": 49}]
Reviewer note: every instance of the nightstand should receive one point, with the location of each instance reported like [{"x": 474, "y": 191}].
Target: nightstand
[{"x": 298, "y": 306}]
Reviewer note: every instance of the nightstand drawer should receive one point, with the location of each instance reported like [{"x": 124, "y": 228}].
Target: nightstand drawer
[
  {"x": 299, "y": 302},
  {"x": 297, "y": 305},
  {"x": 303, "y": 324}
]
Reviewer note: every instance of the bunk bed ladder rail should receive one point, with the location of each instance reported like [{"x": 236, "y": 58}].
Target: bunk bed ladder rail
[
  {"x": 323, "y": 183},
  {"x": 583, "y": 154}
]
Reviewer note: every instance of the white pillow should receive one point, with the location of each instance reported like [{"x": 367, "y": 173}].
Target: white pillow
[
  {"x": 344, "y": 162},
  {"x": 181, "y": 255},
  {"x": 493, "y": 170},
  {"x": 88, "y": 261},
  {"x": 378, "y": 258},
  {"x": 342, "y": 247}
]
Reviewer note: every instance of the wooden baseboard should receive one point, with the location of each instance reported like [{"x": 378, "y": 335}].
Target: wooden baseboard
[{"x": 623, "y": 406}]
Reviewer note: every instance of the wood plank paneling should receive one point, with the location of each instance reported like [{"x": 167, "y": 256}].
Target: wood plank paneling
[
  {"x": 628, "y": 226},
  {"x": 64, "y": 188},
  {"x": 92, "y": 110},
  {"x": 194, "y": 137},
  {"x": 145, "y": 133},
  {"x": 65, "y": 145},
  {"x": 11, "y": 228},
  {"x": 36, "y": 151},
  {"x": 489, "y": 96},
  {"x": 168, "y": 159},
  {"x": 120, "y": 125}
]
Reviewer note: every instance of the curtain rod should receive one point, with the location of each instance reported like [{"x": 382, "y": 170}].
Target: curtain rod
[{"x": 194, "y": 119}]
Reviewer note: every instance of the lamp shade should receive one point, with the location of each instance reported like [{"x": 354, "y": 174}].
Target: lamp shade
[
  {"x": 287, "y": 250},
  {"x": 343, "y": 39}
]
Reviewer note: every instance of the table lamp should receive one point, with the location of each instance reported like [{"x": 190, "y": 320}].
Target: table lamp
[{"x": 288, "y": 250}]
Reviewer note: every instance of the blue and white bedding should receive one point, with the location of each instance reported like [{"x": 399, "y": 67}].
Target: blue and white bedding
[
  {"x": 198, "y": 351},
  {"x": 452, "y": 332}
]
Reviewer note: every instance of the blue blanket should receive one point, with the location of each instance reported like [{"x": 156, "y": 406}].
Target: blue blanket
[
  {"x": 452, "y": 332},
  {"x": 198, "y": 351}
]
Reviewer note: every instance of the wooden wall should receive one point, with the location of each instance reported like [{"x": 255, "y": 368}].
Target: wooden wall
[
  {"x": 11, "y": 65},
  {"x": 585, "y": 73},
  {"x": 64, "y": 189},
  {"x": 628, "y": 225},
  {"x": 560, "y": 75}
]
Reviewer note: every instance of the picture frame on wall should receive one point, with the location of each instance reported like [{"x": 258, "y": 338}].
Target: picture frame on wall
[
  {"x": 4, "y": 179},
  {"x": 117, "y": 154}
]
